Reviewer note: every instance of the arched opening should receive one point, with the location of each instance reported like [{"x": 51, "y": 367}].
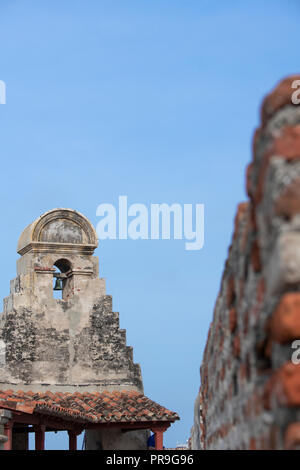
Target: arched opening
[
  {"x": 60, "y": 278},
  {"x": 63, "y": 265}
]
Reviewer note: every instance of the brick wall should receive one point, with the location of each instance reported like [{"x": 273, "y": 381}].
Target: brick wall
[{"x": 250, "y": 389}]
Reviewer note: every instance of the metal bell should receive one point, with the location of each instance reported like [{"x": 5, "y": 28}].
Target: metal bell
[{"x": 58, "y": 284}]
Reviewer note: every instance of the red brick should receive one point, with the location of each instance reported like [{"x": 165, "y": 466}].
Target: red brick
[
  {"x": 232, "y": 319},
  {"x": 287, "y": 146},
  {"x": 241, "y": 291},
  {"x": 255, "y": 139},
  {"x": 247, "y": 228},
  {"x": 252, "y": 445},
  {"x": 260, "y": 291},
  {"x": 286, "y": 385},
  {"x": 255, "y": 257},
  {"x": 292, "y": 437},
  {"x": 247, "y": 409},
  {"x": 288, "y": 203},
  {"x": 249, "y": 171},
  {"x": 268, "y": 348},
  {"x": 230, "y": 291},
  {"x": 258, "y": 403},
  {"x": 252, "y": 217},
  {"x": 279, "y": 97},
  {"x": 274, "y": 437},
  {"x": 246, "y": 324},
  {"x": 240, "y": 214},
  {"x": 236, "y": 345},
  {"x": 285, "y": 323}
]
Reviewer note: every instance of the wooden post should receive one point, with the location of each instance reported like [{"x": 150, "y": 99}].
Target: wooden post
[
  {"x": 72, "y": 440},
  {"x": 26, "y": 441},
  {"x": 159, "y": 435},
  {"x": 159, "y": 440},
  {"x": 8, "y": 433},
  {"x": 39, "y": 437}
]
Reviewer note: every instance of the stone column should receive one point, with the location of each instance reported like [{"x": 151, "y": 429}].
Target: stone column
[
  {"x": 115, "y": 439},
  {"x": 5, "y": 417}
]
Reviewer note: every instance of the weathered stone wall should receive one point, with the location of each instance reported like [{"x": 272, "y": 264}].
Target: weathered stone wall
[
  {"x": 89, "y": 353},
  {"x": 116, "y": 439},
  {"x": 250, "y": 388},
  {"x": 197, "y": 428}
]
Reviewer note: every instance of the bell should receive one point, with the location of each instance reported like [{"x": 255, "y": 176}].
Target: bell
[{"x": 58, "y": 284}]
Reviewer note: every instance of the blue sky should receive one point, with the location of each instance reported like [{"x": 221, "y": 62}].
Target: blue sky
[{"x": 157, "y": 101}]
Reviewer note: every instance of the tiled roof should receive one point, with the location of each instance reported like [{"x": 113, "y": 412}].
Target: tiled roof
[{"x": 104, "y": 407}]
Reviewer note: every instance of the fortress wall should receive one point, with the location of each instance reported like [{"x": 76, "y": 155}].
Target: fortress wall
[{"x": 250, "y": 388}]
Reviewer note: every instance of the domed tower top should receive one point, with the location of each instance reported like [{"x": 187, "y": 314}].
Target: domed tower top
[{"x": 59, "y": 229}]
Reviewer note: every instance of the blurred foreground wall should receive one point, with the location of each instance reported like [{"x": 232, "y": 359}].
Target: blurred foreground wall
[{"x": 250, "y": 377}]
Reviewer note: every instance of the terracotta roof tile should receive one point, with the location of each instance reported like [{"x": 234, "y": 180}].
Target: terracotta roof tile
[{"x": 105, "y": 407}]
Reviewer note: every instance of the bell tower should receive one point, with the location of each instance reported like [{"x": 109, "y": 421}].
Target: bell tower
[{"x": 72, "y": 342}]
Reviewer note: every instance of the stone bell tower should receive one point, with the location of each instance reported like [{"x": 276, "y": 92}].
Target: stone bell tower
[{"x": 72, "y": 343}]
